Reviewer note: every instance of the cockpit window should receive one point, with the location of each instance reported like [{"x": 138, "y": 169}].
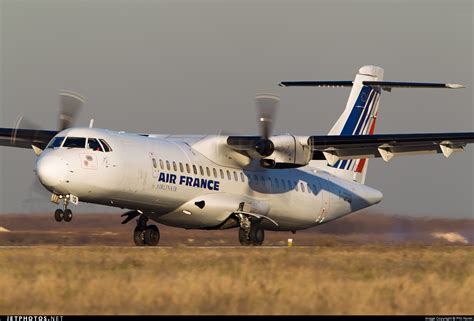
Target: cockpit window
[
  {"x": 75, "y": 142},
  {"x": 55, "y": 142},
  {"x": 93, "y": 144},
  {"x": 106, "y": 146}
]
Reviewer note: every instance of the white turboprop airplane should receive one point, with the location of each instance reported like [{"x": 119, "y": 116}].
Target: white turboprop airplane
[{"x": 254, "y": 183}]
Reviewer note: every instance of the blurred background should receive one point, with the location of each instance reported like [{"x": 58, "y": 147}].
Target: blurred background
[{"x": 193, "y": 67}]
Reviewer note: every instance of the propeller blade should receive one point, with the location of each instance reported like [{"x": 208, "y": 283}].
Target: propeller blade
[
  {"x": 267, "y": 105},
  {"x": 23, "y": 123},
  {"x": 70, "y": 105}
]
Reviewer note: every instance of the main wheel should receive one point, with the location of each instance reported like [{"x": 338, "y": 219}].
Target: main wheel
[
  {"x": 257, "y": 235},
  {"x": 152, "y": 235},
  {"x": 243, "y": 237},
  {"x": 58, "y": 215},
  {"x": 67, "y": 215},
  {"x": 138, "y": 236}
]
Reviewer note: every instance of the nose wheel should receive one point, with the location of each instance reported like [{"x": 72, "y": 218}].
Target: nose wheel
[
  {"x": 63, "y": 214},
  {"x": 145, "y": 235},
  {"x": 59, "y": 215}
]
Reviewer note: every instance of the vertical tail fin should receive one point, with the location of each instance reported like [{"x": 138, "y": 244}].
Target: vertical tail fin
[{"x": 358, "y": 118}]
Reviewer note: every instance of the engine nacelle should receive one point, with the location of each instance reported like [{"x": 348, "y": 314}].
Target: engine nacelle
[{"x": 288, "y": 152}]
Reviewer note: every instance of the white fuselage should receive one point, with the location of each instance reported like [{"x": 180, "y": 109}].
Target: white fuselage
[{"x": 177, "y": 185}]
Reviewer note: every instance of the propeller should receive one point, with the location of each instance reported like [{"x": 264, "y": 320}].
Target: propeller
[
  {"x": 267, "y": 105},
  {"x": 70, "y": 103}
]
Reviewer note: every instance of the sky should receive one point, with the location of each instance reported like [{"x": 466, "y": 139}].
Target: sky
[{"x": 194, "y": 67}]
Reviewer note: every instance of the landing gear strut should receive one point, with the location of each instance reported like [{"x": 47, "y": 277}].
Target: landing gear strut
[
  {"x": 250, "y": 233},
  {"x": 65, "y": 213},
  {"x": 144, "y": 234}
]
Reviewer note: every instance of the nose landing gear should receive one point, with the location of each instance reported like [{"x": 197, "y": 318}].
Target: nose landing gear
[{"x": 64, "y": 214}]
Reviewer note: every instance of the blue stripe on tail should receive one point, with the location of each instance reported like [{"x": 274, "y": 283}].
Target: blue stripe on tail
[{"x": 356, "y": 112}]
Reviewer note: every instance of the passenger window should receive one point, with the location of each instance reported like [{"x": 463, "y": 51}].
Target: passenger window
[
  {"x": 201, "y": 170},
  {"x": 255, "y": 177},
  {"x": 154, "y": 163},
  {"x": 242, "y": 177},
  {"x": 161, "y": 164},
  {"x": 228, "y": 176},
  {"x": 208, "y": 172},
  {"x": 215, "y": 172},
  {"x": 75, "y": 142},
  {"x": 106, "y": 146},
  {"x": 269, "y": 181},
  {"x": 55, "y": 142},
  {"x": 296, "y": 186},
  {"x": 222, "y": 173},
  {"x": 181, "y": 169},
  {"x": 174, "y": 167},
  {"x": 168, "y": 167},
  {"x": 93, "y": 144},
  {"x": 289, "y": 185},
  {"x": 277, "y": 183},
  {"x": 283, "y": 184},
  {"x": 187, "y": 168},
  {"x": 315, "y": 190},
  {"x": 236, "y": 178},
  {"x": 302, "y": 187}
]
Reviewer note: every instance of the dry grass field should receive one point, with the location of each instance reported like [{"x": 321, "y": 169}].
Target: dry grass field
[
  {"x": 189, "y": 280},
  {"x": 366, "y": 263}
]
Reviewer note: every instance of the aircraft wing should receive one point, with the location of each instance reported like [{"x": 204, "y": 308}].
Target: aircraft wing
[
  {"x": 25, "y": 138},
  {"x": 336, "y": 148}
]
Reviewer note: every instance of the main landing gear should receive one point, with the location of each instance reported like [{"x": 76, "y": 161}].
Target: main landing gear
[
  {"x": 250, "y": 233},
  {"x": 145, "y": 235},
  {"x": 64, "y": 214}
]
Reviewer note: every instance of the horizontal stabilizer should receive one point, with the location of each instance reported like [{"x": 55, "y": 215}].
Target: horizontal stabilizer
[
  {"x": 321, "y": 83},
  {"x": 385, "y": 85},
  {"x": 388, "y": 85}
]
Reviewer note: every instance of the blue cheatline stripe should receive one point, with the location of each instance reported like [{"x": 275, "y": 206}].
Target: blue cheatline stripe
[
  {"x": 349, "y": 164},
  {"x": 343, "y": 164},
  {"x": 364, "y": 114},
  {"x": 356, "y": 112}
]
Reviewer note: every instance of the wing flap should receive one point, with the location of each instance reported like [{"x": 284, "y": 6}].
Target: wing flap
[{"x": 337, "y": 148}]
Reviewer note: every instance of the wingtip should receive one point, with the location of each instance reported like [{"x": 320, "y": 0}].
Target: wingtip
[{"x": 455, "y": 86}]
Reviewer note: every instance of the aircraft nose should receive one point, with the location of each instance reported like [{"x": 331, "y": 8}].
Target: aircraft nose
[{"x": 51, "y": 170}]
